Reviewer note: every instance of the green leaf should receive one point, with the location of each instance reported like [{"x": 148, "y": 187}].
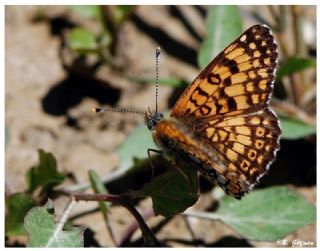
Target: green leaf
[
  {"x": 98, "y": 187},
  {"x": 292, "y": 65},
  {"x": 224, "y": 24},
  {"x": 17, "y": 206},
  {"x": 82, "y": 41},
  {"x": 43, "y": 232},
  {"x": 172, "y": 192},
  {"x": 45, "y": 175},
  {"x": 121, "y": 13},
  {"x": 88, "y": 11},
  {"x": 267, "y": 215},
  {"x": 135, "y": 146},
  {"x": 105, "y": 39},
  {"x": 294, "y": 129}
]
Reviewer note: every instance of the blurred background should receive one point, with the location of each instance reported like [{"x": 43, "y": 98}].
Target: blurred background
[{"x": 61, "y": 61}]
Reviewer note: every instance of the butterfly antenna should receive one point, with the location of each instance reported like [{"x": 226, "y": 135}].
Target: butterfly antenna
[
  {"x": 157, "y": 75},
  {"x": 100, "y": 110}
]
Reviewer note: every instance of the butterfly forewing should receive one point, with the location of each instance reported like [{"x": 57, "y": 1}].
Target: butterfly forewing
[
  {"x": 239, "y": 80},
  {"x": 222, "y": 121}
]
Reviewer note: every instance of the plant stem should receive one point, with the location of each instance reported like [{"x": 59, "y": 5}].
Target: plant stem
[
  {"x": 133, "y": 227},
  {"x": 123, "y": 200}
]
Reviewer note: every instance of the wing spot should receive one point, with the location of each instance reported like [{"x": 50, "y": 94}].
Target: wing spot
[
  {"x": 238, "y": 147},
  {"x": 243, "y": 58},
  {"x": 250, "y": 87},
  {"x": 259, "y": 144},
  {"x": 252, "y": 154},
  {"x": 243, "y": 38},
  {"x": 241, "y": 102},
  {"x": 260, "y": 131},
  {"x": 245, "y": 165},
  {"x": 255, "y": 98},
  {"x": 263, "y": 84},
  {"x": 245, "y": 130},
  {"x": 235, "y": 53},
  {"x": 255, "y": 121},
  {"x": 244, "y": 66},
  {"x": 222, "y": 135},
  {"x": 238, "y": 78},
  {"x": 256, "y": 63},
  {"x": 262, "y": 73},
  {"x": 234, "y": 90},
  {"x": 232, "y": 104},
  {"x": 252, "y": 75},
  {"x": 210, "y": 132},
  {"x": 252, "y": 46},
  {"x": 256, "y": 54},
  {"x": 230, "y": 48},
  {"x": 214, "y": 79},
  {"x": 267, "y": 61},
  {"x": 253, "y": 171},
  {"x": 265, "y": 122},
  {"x": 232, "y": 167},
  {"x": 260, "y": 159}
]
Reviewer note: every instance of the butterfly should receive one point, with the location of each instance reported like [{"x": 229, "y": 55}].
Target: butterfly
[{"x": 221, "y": 123}]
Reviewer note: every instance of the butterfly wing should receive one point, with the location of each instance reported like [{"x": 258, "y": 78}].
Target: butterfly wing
[
  {"x": 238, "y": 81},
  {"x": 231, "y": 158},
  {"x": 226, "y": 108}
]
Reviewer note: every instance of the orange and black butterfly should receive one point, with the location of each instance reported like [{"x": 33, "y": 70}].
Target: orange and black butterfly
[{"x": 222, "y": 123}]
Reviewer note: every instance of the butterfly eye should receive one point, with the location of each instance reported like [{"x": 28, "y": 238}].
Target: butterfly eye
[{"x": 150, "y": 124}]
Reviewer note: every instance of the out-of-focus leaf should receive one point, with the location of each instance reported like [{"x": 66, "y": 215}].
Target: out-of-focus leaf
[
  {"x": 224, "y": 24},
  {"x": 89, "y": 11},
  {"x": 105, "y": 39},
  {"x": 267, "y": 215},
  {"x": 135, "y": 146},
  {"x": 294, "y": 129},
  {"x": 292, "y": 65},
  {"x": 172, "y": 192},
  {"x": 45, "y": 175},
  {"x": 98, "y": 187},
  {"x": 17, "y": 206},
  {"x": 121, "y": 12},
  {"x": 82, "y": 41},
  {"x": 43, "y": 232}
]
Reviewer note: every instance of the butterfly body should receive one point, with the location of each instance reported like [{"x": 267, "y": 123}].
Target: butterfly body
[{"x": 222, "y": 124}]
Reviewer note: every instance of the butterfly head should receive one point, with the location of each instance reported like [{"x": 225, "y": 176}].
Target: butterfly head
[{"x": 152, "y": 119}]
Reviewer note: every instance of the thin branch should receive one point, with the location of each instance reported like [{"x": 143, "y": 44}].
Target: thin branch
[
  {"x": 275, "y": 15},
  {"x": 123, "y": 200},
  {"x": 189, "y": 227},
  {"x": 300, "y": 51},
  {"x": 293, "y": 111},
  {"x": 133, "y": 227}
]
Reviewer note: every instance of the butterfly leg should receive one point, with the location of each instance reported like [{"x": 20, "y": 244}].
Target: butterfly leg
[
  {"x": 176, "y": 164},
  {"x": 149, "y": 150}
]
